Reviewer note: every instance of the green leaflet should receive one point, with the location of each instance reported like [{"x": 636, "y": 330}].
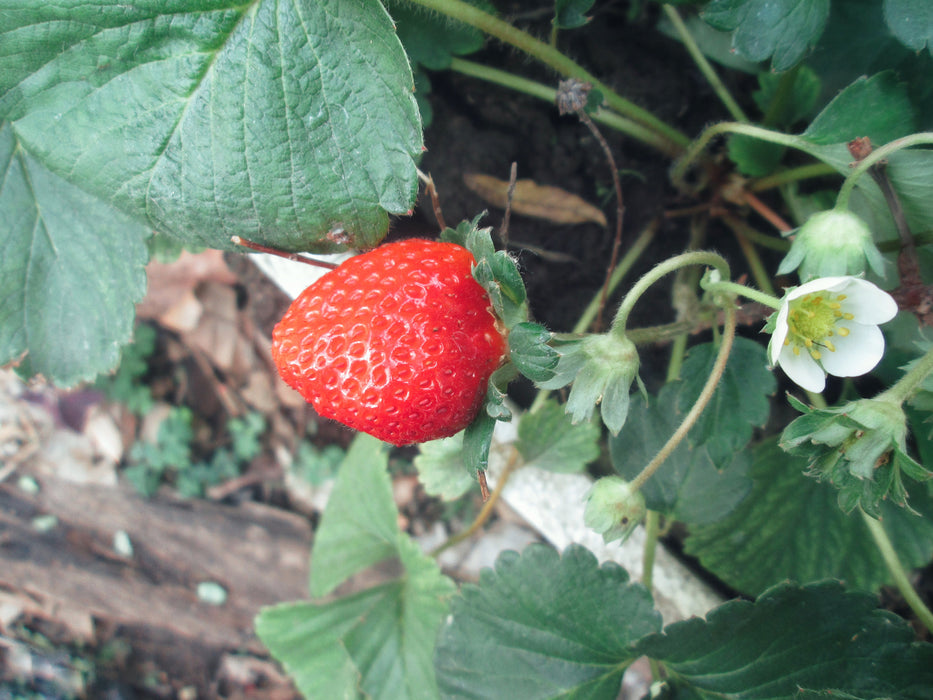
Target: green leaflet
[
  {"x": 275, "y": 121},
  {"x": 688, "y": 486},
  {"x": 782, "y": 30},
  {"x": 71, "y": 271},
  {"x": 789, "y": 527},
  {"x": 792, "y": 642},
  {"x": 543, "y": 625},
  {"x": 377, "y": 642}
]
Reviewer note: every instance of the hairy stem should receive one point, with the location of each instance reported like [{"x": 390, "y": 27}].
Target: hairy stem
[
  {"x": 905, "y": 387},
  {"x": 785, "y": 177},
  {"x": 747, "y": 292},
  {"x": 897, "y": 571},
  {"x": 719, "y": 366},
  {"x": 534, "y": 89},
  {"x": 670, "y": 265},
  {"x": 696, "y": 148},
  {"x": 706, "y": 68},
  {"x": 879, "y": 154},
  {"x": 550, "y": 56}
]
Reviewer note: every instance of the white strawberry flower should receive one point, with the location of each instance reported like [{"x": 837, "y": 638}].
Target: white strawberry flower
[{"x": 830, "y": 326}]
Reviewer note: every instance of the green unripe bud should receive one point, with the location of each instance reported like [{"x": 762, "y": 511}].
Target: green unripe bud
[
  {"x": 832, "y": 243},
  {"x": 613, "y": 508},
  {"x": 609, "y": 367}
]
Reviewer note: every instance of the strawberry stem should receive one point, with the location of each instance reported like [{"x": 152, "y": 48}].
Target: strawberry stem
[{"x": 259, "y": 248}]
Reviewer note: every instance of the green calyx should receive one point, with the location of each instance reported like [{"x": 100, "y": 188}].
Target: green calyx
[
  {"x": 860, "y": 448},
  {"x": 609, "y": 366},
  {"x": 830, "y": 244}
]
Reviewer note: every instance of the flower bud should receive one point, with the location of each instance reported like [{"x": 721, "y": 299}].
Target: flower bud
[
  {"x": 831, "y": 244},
  {"x": 609, "y": 366},
  {"x": 613, "y": 509}
]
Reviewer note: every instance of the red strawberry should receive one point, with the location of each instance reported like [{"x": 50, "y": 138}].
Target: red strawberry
[{"x": 398, "y": 342}]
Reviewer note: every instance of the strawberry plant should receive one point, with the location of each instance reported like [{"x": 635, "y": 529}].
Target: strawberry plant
[{"x": 809, "y": 196}]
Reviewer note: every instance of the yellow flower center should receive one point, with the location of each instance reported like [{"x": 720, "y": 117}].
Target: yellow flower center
[{"x": 813, "y": 320}]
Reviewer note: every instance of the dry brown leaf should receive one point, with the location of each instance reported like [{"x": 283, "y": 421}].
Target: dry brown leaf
[
  {"x": 170, "y": 282},
  {"x": 532, "y": 199}
]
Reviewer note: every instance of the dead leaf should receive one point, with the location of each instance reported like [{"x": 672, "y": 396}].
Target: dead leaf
[
  {"x": 532, "y": 199},
  {"x": 170, "y": 282}
]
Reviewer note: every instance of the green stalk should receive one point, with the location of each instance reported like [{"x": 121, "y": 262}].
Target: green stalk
[
  {"x": 747, "y": 292},
  {"x": 589, "y": 314},
  {"x": 659, "y": 271},
  {"x": 879, "y": 154},
  {"x": 719, "y": 366},
  {"x": 550, "y": 56},
  {"x": 785, "y": 177},
  {"x": 897, "y": 571},
  {"x": 697, "y": 147},
  {"x": 622, "y": 269},
  {"x": 706, "y": 68},
  {"x": 905, "y": 387},
  {"x": 549, "y": 94}
]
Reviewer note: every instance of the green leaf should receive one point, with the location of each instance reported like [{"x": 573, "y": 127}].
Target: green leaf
[
  {"x": 795, "y": 639},
  {"x": 911, "y": 21},
  {"x": 754, "y": 157},
  {"x": 878, "y": 50},
  {"x": 441, "y": 469},
  {"x": 530, "y": 352},
  {"x": 543, "y": 626},
  {"x": 787, "y": 98},
  {"x": 71, "y": 270},
  {"x": 877, "y": 107},
  {"x": 789, "y": 527},
  {"x": 739, "y": 403},
  {"x": 687, "y": 487},
  {"x": 715, "y": 45},
  {"x": 783, "y": 30},
  {"x": 549, "y": 440},
  {"x": 275, "y": 121},
  {"x": 359, "y": 527},
  {"x": 376, "y": 643},
  {"x": 570, "y": 14}
]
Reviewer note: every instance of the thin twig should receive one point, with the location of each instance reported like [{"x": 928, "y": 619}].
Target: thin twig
[
  {"x": 510, "y": 194},
  {"x": 907, "y": 263},
  {"x": 259, "y": 248},
  {"x": 431, "y": 189},
  {"x": 620, "y": 211},
  {"x": 513, "y": 462},
  {"x": 766, "y": 212}
]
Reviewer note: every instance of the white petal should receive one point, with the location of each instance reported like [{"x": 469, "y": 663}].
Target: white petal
[
  {"x": 821, "y": 284},
  {"x": 803, "y": 370},
  {"x": 856, "y": 353},
  {"x": 867, "y": 303},
  {"x": 779, "y": 335}
]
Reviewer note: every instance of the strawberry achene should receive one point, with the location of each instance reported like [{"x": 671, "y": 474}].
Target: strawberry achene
[{"x": 399, "y": 342}]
